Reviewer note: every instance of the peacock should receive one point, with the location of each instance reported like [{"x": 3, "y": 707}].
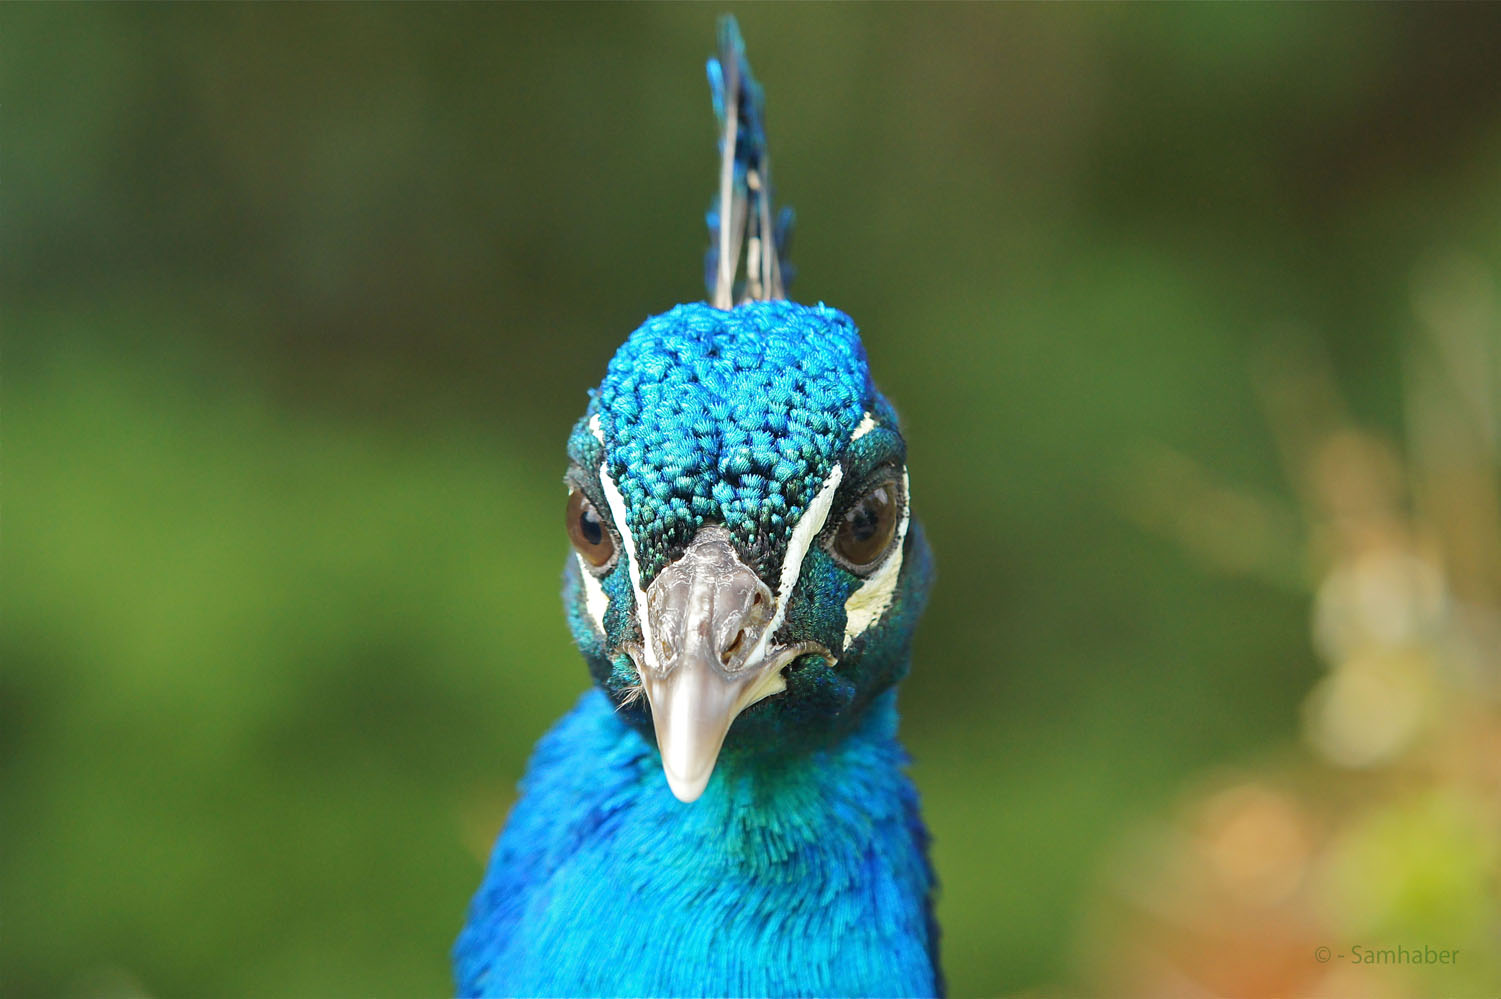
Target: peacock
[{"x": 726, "y": 811}]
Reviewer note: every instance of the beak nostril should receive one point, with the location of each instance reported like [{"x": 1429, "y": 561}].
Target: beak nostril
[{"x": 730, "y": 650}]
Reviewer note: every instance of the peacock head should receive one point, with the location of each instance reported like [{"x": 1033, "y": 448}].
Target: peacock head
[{"x": 746, "y": 572}]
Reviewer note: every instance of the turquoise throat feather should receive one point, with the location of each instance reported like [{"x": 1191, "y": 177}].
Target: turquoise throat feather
[
  {"x": 799, "y": 877},
  {"x": 727, "y": 813}
]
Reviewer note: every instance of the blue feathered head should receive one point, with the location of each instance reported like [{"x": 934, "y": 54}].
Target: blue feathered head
[{"x": 747, "y": 573}]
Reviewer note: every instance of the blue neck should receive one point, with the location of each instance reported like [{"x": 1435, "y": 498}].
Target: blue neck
[{"x": 799, "y": 875}]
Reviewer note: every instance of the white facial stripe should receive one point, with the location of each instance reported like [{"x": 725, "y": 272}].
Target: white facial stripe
[
  {"x": 594, "y": 594},
  {"x": 803, "y": 534},
  {"x": 866, "y": 426},
  {"x": 617, "y": 513},
  {"x": 866, "y": 605},
  {"x": 797, "y": 549},
  {"x": 595, "y": 599}
]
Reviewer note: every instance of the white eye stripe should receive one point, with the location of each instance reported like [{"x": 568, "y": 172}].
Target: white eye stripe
[
  {"x": 809, "y": 526},
  {"x": 628, "y": 542},
  {"x": 595, "y": 599},
  {"x": 866, "y": 605},
  {"x": 866, "y": 426}
]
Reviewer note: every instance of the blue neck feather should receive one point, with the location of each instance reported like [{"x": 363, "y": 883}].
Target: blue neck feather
[{"x": 798, "y": 876}]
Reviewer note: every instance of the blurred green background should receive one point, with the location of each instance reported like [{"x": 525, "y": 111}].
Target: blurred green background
[{"x": 301, "y": 302}]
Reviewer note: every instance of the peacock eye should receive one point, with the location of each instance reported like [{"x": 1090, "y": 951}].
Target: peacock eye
[
  {"x": 590, "y": 537},
  {"x": 868, "y": 527}
]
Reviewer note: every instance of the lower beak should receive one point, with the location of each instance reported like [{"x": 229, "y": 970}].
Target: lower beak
[{"x": 692, "y": 709}]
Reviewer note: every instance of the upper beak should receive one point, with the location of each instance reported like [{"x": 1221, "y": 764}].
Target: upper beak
[{"x": 709, "y": 657}]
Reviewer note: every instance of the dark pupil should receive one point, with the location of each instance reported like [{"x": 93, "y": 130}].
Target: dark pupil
[
  {"x": 865, "y": 521},
  {"x": 590, "y": 529}
]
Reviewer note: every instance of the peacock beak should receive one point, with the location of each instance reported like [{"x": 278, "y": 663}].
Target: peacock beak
[
  {"x": 707, "y": 656},
  {"x": 692, "y": 711}
]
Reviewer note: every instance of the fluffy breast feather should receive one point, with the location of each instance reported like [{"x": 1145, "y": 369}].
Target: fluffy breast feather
[{"x": 808, "y": 878}]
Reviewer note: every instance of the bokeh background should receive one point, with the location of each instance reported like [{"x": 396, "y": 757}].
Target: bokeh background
[{"x": 1192, "y": 315}]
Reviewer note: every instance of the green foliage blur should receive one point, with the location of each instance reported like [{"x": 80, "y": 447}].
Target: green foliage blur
[{"x": 300, "y": 303}]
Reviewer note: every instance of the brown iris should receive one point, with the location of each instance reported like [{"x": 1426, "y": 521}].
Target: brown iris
[
  {"x": 590, "y": 537},
  {"x": 868, "y": 527}
]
